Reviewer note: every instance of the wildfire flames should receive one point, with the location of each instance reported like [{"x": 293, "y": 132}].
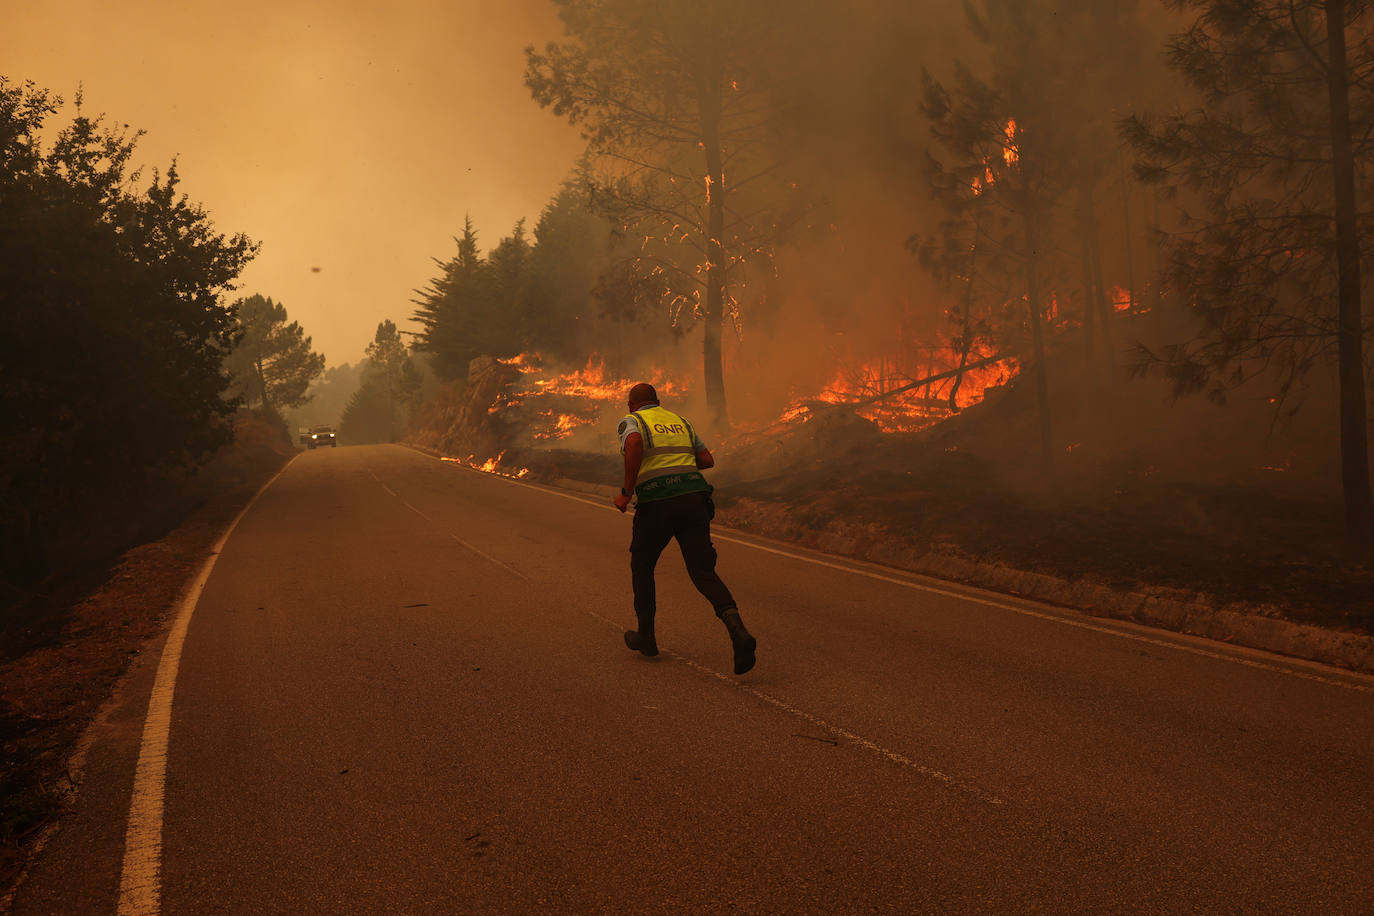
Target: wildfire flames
[
  {"x": 490, "y": 466},
  {"x": 916, "y": 408},
  {"x": 1011, "y": 155},
  {"x": 557, "y": 405},
  {"x": 542, "y": 406}
]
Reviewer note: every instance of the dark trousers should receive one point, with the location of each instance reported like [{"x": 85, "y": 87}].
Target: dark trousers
[{"x": 687, "y": 518}]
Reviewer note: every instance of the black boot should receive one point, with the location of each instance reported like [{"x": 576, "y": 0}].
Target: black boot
[
  {"x": 744, "y": 643},
  {"x": 642, "y": 640}
]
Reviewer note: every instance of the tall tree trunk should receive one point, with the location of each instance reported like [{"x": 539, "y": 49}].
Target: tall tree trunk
[
  {"x": 1359, "y": 515},
  {"x": 1042, "y": 384},
  {"x": 1126, "y": 227},
  {"x": 1085, "y": 204},
  {"x": 966, "y": 334},
  {"x": 1156, "y": 264},
  {"x": 1105, "y": 309},
  {"x": 710, "y": 90},
  {"x": 262, "y": 382}
]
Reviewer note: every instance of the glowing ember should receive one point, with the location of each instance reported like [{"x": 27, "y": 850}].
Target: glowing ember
[
  {"x": 1011, "y": 153},
  {"x": 1122, "y": 300},
  {"x": 563, "y": 426},
  {"x": 490, "y": 466}
]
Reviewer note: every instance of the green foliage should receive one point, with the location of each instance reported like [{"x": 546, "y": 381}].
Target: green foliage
[
  {"x": 370, "y": 417},
  {"x": 572, "y": 248},
  {"x": 560, "y": 295},
  {"x": 327, "y": 396},
  {"x": 272, "y": 363},
  {"x": 379, "y": 410},
  {"x": 1255, "y": 255},
  {"x": 112, "y": 330},
  {"x": 672, "y": 102},
  {"x": 390, "y": 366},
  {"x": 448, "y": 309},
  {"x": 1025, "y": 140},
  {"x": 474, "y": 306}
]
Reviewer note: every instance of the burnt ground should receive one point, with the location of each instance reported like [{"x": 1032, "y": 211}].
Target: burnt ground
[
  {"x": 1233, "y": 502},
  {"x": 1233, "y": 505},
  {"x": 1223, "y": 543},
  {"x": 67, "y": 642}
]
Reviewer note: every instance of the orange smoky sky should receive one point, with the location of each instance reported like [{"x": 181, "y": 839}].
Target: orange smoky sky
[{"x": 349, "y": 138}]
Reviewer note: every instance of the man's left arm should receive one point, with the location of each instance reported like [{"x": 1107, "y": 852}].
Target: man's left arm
[{"x": 704, "y": 457}]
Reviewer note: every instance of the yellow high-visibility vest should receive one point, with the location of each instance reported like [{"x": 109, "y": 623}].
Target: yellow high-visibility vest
[{"x": 669, "y": 467}]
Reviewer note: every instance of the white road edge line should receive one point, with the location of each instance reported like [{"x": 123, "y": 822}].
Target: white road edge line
[
  {"x": 140, "y": 882},
  {"x": 988, "y": 602}
]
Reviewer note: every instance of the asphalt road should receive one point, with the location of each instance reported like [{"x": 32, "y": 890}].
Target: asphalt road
[{"x": 404, "y": 690}]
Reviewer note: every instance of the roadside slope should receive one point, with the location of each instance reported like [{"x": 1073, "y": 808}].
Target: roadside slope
[{"x": 71, "y": 647}]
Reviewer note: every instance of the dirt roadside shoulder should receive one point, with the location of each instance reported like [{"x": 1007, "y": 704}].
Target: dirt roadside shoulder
[
  {"x": 1193, "y": 613},
  {"x": 52, "y": 693},
  {"x": 1234, "y": 623}
]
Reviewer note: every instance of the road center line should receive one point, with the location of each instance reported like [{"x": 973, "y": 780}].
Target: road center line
[
  {"x": 140, "y": 882},
  {"x": 873, "y": 747},
  {"x": 484, "y": 555},
  {"x": 385, "y": 487},
  {"x": 987, "y": 602},
  {"x": 490, "y": 559}
]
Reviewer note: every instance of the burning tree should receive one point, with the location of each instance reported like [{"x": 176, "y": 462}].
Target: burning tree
[
  {"x": 1013, "y": 150},
  {"x": 1274, "y": 154},
  {"x": 999, "y": 194},
  {"x": 677, "y": 118}
]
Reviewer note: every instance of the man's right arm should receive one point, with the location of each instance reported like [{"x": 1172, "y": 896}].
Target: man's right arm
[
  {"x": 705, "y": 459},
  {"x": 634, "y": 457}
]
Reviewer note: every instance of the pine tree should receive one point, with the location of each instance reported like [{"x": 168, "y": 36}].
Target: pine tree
[
  {"x": 677, "y": 114},
  {"x": 112, "y": 323},
  {"x": 444, "y": 309},
  {"x": 1022, "y": 149},
  {"x": 379, "y": 410},
  {"x": 1268, "y": 168},
  {"x": 272, "y": 363}
]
